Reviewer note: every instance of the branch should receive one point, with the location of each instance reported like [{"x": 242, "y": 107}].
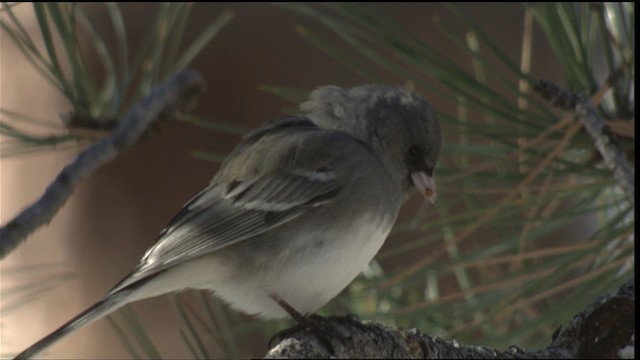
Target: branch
[
  {"x": 166, "y": 98},
  {"x": 604, "y": 142},
  {"x": 602, "y": 330},
  {"x": 608, "y": 147}
]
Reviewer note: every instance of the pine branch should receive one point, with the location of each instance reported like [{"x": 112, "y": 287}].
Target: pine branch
[
  {"x": 173, "y": 95},
  {"x": 602, "y": 330},
  {"x": 608, "y": 147},
  {"x": 604, "y": 141}
]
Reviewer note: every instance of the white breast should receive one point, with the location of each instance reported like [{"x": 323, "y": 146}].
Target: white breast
[
  {"x": 310, "y": 282},
  {"x": 306, "y": 282}
]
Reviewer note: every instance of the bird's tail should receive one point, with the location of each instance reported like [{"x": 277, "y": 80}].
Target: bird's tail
[{"x": 102, "y": 308}]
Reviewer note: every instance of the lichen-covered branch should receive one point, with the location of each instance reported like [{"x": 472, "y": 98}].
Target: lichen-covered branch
[
  {"x": 164, "y": 99},
  {"x": 602, "y": 330}
]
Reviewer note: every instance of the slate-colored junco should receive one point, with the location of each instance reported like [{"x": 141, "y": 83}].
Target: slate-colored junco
[{"x": 296, "y": 211}]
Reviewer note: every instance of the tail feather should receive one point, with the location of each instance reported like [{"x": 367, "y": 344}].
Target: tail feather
[{"x": 95, "y": 312}]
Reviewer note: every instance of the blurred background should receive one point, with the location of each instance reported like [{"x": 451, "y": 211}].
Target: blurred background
[{"x": 530, "y": 224}]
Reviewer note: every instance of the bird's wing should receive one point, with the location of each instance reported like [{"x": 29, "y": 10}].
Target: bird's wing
[{"x": 268, "y": 180}]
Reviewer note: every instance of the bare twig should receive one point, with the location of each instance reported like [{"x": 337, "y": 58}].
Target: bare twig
[
  {"x": 604, "y": 141},
  {"x": 164, "y": 99},
  {"x": 608, "y": 147},
  {"x": 559, "y": 97},
  {"x": 602, "y": 330}
]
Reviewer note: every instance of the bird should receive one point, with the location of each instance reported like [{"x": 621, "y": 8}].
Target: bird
[{"x": 296, "y": 211}]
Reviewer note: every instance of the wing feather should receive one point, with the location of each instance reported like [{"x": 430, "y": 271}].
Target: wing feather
[{"x": 243, "y": 204}]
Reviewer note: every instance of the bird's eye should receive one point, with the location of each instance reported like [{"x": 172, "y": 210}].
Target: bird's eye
[{"x": 414, "y": 151}]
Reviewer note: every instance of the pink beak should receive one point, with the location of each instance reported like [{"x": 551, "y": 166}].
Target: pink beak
[{"x": 425, "y": 185}]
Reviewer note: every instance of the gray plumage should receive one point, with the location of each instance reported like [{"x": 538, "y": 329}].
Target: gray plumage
[{"x": 297, "y": 210}]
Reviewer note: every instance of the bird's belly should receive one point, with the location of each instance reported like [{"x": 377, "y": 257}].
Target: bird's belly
[{"x": 307, "y": 281}]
